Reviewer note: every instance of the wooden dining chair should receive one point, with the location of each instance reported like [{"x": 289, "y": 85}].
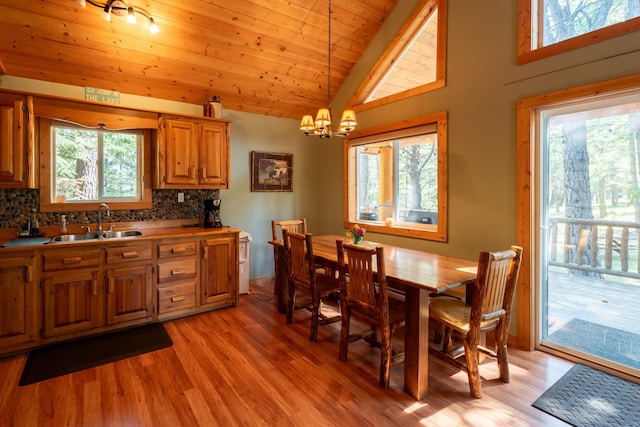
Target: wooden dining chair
[
  {"x": 291, "y": 225},
  {"x": 488, "y": 310},
  {"x": 364, "y": 294},
  {"x": 304, "y": 279}
]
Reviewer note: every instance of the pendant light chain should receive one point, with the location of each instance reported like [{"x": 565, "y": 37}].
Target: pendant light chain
[
  {"x": 329, "y": 61},
  {"x": 321, "y": 127}
]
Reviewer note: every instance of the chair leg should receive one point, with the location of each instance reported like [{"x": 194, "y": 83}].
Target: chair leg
[
  {"x": 344, "y": 332},
  {"x": 385, "y": 358},
  {"x": 315, "y": 313},
  {"x": 438, "y": 333},
  {"x": 446, "y": 340},
  {"x": 471, "y": 358},
  {"x": 291, "y": 302},
  {"x": 502, "y": 355}
]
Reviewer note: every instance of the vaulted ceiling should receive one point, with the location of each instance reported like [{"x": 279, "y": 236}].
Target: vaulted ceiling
[{"x": 260, "y": 56}]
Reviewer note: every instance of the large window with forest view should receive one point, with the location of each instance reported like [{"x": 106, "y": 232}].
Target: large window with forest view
[
  {"x": 548, "y": 27},
  {"x": 95, "y": 164},
  {"x": 397, "y": 178}
]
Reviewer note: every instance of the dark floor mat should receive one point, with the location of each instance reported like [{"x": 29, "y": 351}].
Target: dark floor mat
[
  {"x": 65, "y": 358},
  {"x": 586, "y": 397},
  {"x": 608, "y": 343}
]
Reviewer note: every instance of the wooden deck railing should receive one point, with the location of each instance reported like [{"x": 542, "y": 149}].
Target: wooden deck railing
[{"x": 598, "y": 246}]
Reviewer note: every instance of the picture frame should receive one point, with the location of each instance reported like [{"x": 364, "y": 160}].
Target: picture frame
[{"x": 271, "y": 171}]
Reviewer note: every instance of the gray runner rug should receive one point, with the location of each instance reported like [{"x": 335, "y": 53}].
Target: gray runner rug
[{"x": 586, "y": 397}]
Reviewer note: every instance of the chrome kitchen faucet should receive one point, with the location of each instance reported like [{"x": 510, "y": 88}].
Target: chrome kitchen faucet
[{"x": 106, "y": 206}]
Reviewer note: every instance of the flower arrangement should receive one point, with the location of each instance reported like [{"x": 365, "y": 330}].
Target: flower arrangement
[{"x": 356, "y": 233}]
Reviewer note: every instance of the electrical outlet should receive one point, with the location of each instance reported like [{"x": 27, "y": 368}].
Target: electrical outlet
[{"x": 180, "y": 197}]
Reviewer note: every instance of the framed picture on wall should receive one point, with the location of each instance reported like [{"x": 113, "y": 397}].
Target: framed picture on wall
[{"x": 271, "y": 171}]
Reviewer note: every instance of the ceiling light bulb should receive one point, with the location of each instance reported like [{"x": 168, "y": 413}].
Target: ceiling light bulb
[
  {"x": 82, "y": 3},
  {"x": 107, "y": 12},
  {"x": 131, "y": 18},
  {"x": 153, "y": 28}
]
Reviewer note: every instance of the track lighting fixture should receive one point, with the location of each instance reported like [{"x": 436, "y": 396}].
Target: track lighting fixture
[{"x": 119, "y": 8}]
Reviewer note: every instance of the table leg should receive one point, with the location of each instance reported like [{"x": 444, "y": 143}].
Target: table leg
[
  {"x": 416, "y": 342},
  {"x": 280, "y": 287}
]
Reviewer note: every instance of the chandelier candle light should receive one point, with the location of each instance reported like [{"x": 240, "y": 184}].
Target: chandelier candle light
[
  {"x": 322, "y": 125},
  {"x": 119, "y": 8}
]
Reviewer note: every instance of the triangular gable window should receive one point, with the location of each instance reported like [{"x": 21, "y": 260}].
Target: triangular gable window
[{"x": 413, "y": 63}]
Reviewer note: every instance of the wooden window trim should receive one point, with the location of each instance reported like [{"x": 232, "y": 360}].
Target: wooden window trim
[
  {"x": 437, "y": 233},
  {"x": 526, "y": 186},
  {"x": 48, "y": 205},
  {"x": 528, "y": 54},
  {"x": 396, "y": 47}
]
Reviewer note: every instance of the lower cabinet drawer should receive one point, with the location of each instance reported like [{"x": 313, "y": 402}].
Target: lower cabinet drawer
[
  {"x": 176, "y": 297},
  {"x": 178, "y": 270}
]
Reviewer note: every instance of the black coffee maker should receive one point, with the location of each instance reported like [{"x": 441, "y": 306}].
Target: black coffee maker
[{"x": 212, "y": 214}]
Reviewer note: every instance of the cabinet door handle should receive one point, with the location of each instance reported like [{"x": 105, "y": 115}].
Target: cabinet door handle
[
  {"x": 94, "y": 287},
  {"x": 179, "y": 250},
  {"x": 177, "y": 272},
  {"x": 111, "y": 287},
  {"x": 190, "y": 171},
  {"x": 132, "y": 254},
  {"x": 72, "y": 260},
  {"x": 178, "y": 298},
  {"x": 204, "y": 173}
]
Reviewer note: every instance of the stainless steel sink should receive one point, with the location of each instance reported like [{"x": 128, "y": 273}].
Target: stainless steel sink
[
  {"x": 76, "y": 237},
  {"x": 96, "y": 235},
  {"x": 118, "y": 234}
]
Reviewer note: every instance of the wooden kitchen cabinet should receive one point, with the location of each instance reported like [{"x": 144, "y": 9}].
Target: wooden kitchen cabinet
[
  {"x": 57, "y": 292},
  {"x": 18, "y": 302},
  {"x": 192, "y": 154},
  {"x": 129, "y": 284},
  {"x": 73, "y": 295},
  {"x": 177, "y": 276},
  {"x": 17, "y": 142},
  {"x": 219, "y": 271}
]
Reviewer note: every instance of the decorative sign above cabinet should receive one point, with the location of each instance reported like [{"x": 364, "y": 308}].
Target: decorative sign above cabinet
[{"x": 102, "y": 95}]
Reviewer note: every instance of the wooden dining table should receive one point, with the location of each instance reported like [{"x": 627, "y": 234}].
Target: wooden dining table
[{"x": 418, "y": 274}]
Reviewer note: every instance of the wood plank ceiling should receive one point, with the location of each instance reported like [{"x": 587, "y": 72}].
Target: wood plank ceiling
[{"x": 261, "y": 56}]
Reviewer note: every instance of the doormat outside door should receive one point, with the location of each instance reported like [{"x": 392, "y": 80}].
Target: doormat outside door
[
  {"x": 65, "y": 358},
  {"x": 603, "y": 341},
  {"x": 586, "y": 397}
]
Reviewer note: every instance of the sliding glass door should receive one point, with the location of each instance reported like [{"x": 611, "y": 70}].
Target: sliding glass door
[{"x": 588, "y": 222}]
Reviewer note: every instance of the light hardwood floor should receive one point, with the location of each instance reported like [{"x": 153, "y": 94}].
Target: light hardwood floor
[{"x": 245, "y": 366}]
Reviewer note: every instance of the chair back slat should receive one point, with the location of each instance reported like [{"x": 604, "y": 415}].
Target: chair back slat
[
  {"x": 298, "y": 254},
  {"x": 361, "y": 284},
  {"x": 495, "y": 285},
  {"x": 366, "y": 275},
  {"x": 291, "y": 225}
]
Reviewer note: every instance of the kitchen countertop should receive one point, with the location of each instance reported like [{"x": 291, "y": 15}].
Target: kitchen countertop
[{"x": 149, "y": 229}]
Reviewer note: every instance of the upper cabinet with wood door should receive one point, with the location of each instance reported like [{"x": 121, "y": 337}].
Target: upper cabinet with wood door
[
  {"x": 17, "y": 143},
  {"x": 192, "y": 153}
]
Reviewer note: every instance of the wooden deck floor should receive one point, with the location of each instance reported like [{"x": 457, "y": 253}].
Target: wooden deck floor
[
  {"x": 599, "y": 301},
  {"x": 603, "y": 304}
]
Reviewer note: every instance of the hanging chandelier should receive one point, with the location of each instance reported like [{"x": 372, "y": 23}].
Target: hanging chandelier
[
  {"x": 119, "y": 8},
  {"x": 321, "y": 127}
]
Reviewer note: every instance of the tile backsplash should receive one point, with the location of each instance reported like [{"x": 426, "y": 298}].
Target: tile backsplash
[{"x": 16, "y": 205}]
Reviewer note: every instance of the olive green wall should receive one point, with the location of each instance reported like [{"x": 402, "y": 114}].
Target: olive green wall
[{"x": 483, "y": 85}]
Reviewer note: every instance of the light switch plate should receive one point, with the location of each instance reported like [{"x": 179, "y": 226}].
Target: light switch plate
[{"x": 180, "y": 197}]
